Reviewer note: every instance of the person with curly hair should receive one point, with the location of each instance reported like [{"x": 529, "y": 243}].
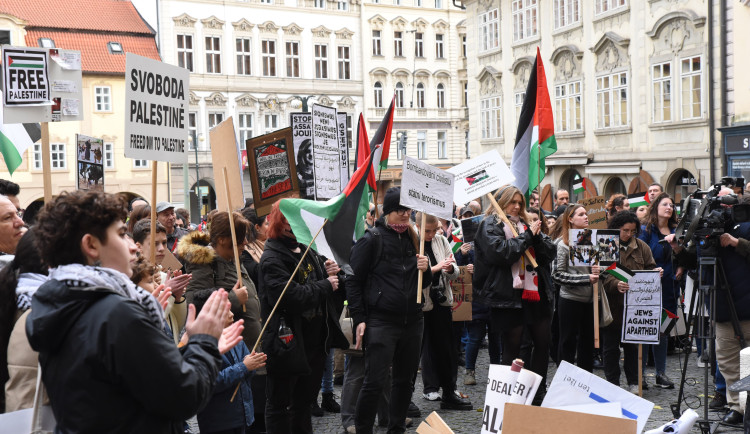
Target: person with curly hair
[{"x": 616, "y": 203}]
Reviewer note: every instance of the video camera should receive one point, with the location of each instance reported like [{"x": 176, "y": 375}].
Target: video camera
[{"x": 706, "y": 215}]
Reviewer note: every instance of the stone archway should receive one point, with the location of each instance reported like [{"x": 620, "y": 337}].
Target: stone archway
[
  {"x": 680, "y": 183},
  {"x": 640, "y": 183},
  {"x": 202, "y": 200},
  {"x": 614, "y": 185}
]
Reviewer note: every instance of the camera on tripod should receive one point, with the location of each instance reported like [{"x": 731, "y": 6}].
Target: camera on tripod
[{"x": 706, "y": 215}]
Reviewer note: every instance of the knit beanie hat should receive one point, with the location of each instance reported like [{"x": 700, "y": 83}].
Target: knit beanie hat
[{"x": 391, "y": 202}]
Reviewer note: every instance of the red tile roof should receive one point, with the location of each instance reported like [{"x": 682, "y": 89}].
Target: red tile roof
[
  {"x": 96, "y": 15},
  {"x": 95, "y": 56}
]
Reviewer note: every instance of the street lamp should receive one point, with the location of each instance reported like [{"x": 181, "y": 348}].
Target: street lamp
[{"x": 302, "y": 102}]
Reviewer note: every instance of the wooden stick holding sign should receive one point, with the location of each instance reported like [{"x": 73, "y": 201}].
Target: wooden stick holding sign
[
  {"x": 237, "y": 265},
  {"x": 421, "y": 253},
  {"x": 596, "y": 308},
  {"x": 640, "y": 370},
  {"x": 47, "y": 174},
  {"x": 153, "y": 212},
  {"x": 512, "y": 227}
]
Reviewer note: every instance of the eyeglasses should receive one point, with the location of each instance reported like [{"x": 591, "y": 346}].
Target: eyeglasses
[{"x": 403, "y": 211}]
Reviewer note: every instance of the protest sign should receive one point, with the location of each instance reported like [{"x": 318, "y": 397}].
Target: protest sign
[
  {"x": 506, "y": 384},
  {"x": 469, "y": 228},
  {"x": 303, "y": 153},
  {"x": 462, "y": 294},
  {"x": 596, "y": 210},
  {"x": 426, "y": 188},
  {"x": 156, "y": 101},
  {"x": 326, "y": 154},
  {"x": 641, "y": 317},
  {"x": 225, "y": 153},
  {"x": 26, "y": 77},
  {"x": 594, "y": 246},
  {"x": 479, "y": 176},
  {"x": 90, "y": 163},
  {"x": 273, "y": 173},
  {"x": 530, "y": 419},
  {"x": 574, "y": 386},
  {"x": 343, "y": 149}
]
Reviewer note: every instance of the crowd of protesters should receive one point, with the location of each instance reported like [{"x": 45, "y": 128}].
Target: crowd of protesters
[{"x": 128, "y": 343}]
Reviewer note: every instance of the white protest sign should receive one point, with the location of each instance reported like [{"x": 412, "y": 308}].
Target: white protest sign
[
  {"x": 303, "y": 153},
  {"x": 325, "y": 142},
  {"x": 343, "y": 149},
  {"x": 574, "y": 386},
  {"x": 156, "y": 104},
  {"x": 479, "y": 176},
  {"x": 25, "y": 76},
  {"x": 426, "y": 188},
  {"x": 505, "y": 385},
  {"x": 641, "y": 316}
]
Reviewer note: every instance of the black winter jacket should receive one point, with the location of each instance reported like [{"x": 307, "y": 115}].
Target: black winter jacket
[
  {"x": 493, "y": 257},
  {"x": 385, "y": 287},
  {"x": 108, "y": 368}
]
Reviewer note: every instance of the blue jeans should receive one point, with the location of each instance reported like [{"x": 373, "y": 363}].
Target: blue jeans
[
  {"x": 476, "y": 330},
  {"x": 660, "y": 355},
  {"x": 720, "y": 382},
  {"x": 326, "y": 385}
]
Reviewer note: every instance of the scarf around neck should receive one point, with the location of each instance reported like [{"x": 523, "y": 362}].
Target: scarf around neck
[
  {"x": 28, "y": 283},
  {"x": 523, "y": 277},
  {"x": 87, "y": 277}
]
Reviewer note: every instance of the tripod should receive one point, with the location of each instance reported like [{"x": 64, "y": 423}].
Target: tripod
[{"x": 711, "y": 279}]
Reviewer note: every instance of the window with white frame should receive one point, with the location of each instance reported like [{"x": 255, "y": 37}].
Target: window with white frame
[
  {"x": 466, "y": 144},
  {"x": 418, "y": 3},
  {"x": 244, "y": 56},
  {"x": 57, "y": 154},
  {"x": 420, "y": 95},
  {"x": 491, "y": 122},
  {"x": 102, "y": 98},
  {"x": 463, "y": 46},
  {"x": 292, "y": 58},
  {"x": 603, "y": 6},
  {"x": 397, "y": 2},
  {"x": 567, "y": 12},
  {"x": 442, "y": 145},
  {"x": 438, "y": 4},
  {"x": 268, "y": 54},
  {"x": 568, "y": 107},
  {"x": 400, "y": 95},
  {"x": 612, "y": 100},
  {"x": 271, "y": 122},
  {"x": 343, "y": 5},
  {"x": 376, "y": 47},
  {"x": 525, "y": 14},
  {"x": 37, "y": 156},
  {"x": 398, "y": 44},
  {"x": 185, "y": 51},
  {"x": 245, "y": 121},
  {"x": 518, "y": 98},
  {"x": 419, "y": 44},
  {"x": 214, "y": 119},
  {"x": 466, "y": 94},
  {"x": 192, "y": 130},
  {"x": 440, "y": 96},
  {"x": 320, "y": 4},
  {"x": 321, "y": 61},
  {"x": 378, "y": 94},
  {"x": 692, "y": 91},
  {"x": 140, "y": 164},
  {"x": 422, "y": 145},
  {"x": 661, "y": 78},
  {"x": 213, "y": 54},
  {"x": 439, "y": 46},
  {"x": 268, "y": 2},
  {"x": 399, "y": 149},
  {"x": 344, "y": 62},
  {"x": 489, "y": 30},
  {"x": 109, "y": 155}
]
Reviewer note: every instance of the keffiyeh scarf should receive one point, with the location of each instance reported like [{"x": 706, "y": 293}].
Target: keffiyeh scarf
[{"x": 524, "y": 276}]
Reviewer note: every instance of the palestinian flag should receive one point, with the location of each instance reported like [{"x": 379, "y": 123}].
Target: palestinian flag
[
  {"x": 668, "y": 321},
  {"x": 14, "y": 140},
  {"x": 363, "y": 151},
  {"x": 382, "y": 137},
  {"x": 455, "y": 241},
  {"x": 620, "y": 272},
  {"x": 638, "y": 199},
  {"x": 535, "y": 139},
  {"x": 345, "y": 213},
  {"x": 579, "y": 185}
]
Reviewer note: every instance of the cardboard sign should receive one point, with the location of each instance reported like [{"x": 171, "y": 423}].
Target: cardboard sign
[
  {"x": 641, "y": 315},
  {"x": 90, "y": 152},
  {"x": 469, "y": 228},
  {"x": 326, "y": 154},
  {"x": 427, "y": 189},
  {"x": 26, "y": 79},
  {"x": 596, "y": 210},
  {"x": 479, "y": 176},
  {"x": 462, "y": 295},
  {"x": 273, "y": 174},
  {"x": 225, "y": 153},
  {"x": 156, "y": 101},
  {"x": 503, "y": 386},
  {"x": 539, "y": 420},
  {"x": 170, "y": 262},
  {"x": 343, "y": 149},
  {"x": 303, "y": 153},
  {"x": 574, "y": 386},
  {"x": 587, "y": 246}
]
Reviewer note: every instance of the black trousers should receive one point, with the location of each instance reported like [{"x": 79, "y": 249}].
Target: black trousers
[
  {"x": 611, "y": 356},
  {"x": 439, "y": 356},
  {"x": 386, "y": 344},
  {"x": 576, "y": 333},
  {"x": 288, "y": 398}
]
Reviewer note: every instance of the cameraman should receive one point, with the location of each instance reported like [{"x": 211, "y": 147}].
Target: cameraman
[{"x": 734, "y": 253}]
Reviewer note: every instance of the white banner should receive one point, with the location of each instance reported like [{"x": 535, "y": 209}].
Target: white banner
[
  {"x": 343, "y": 149},
  {"x": 426, "y": 188},
  {"x": 325, "y": 142},
  {"x": 156, "y": 101},
  {"x": 479, "y": 176},
  {"x": 303, "y": 153},
  {"x": 641, "y": 316},
  {"x": 26, "y": 77},
  {"x": 505, "y": 385}
]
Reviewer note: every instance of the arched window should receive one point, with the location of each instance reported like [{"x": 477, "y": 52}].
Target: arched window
[
  {"x": 420, "y": 95},
  {"x": 378, "y": 94},
  {"x": 400, "y": 95},
  {"x": 440, "y": 95}
]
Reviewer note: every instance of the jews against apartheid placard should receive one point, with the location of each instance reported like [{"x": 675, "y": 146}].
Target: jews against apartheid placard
[
  {"x": 641, "y": 317},
  {"x": 426, "y": 188},
  {"x": 156, "y": 104},
  {"x": 479, "y": 176}
]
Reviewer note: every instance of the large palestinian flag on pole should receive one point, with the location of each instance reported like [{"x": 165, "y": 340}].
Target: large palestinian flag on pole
[
  {"x": 363, "y": 151},
  {"x": 535, "y": 139},
  {"x": 345, "y": 213},
  {"x": 382, "y": 137}
]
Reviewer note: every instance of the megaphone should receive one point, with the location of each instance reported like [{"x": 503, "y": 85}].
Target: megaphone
[{"x": 678, "y": 426}]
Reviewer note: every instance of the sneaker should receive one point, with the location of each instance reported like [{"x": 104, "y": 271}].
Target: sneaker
[
  {"x": 718, "y": 402},
  {"x": 470, "y": 378},
  {"x": 700, "y": 362},
  {"x": 351, "y": 429},
  {"x": 413, "y": 411},
  {"x": 451, "y": 401},
  {"x": 633, "y": 388},
  {"x": 664, "y": 382},
  {"x": 408, "y": 422},
  {"x": 315, "y": 409},
  {"x": 432, "y": 396},
  {"x": 329, "y": 404}
]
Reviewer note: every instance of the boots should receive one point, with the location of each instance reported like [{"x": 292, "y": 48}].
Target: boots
[{"x": 329, "y": 404}]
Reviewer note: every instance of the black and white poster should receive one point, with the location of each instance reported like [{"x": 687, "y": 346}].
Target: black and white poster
[
  {"x": 90, "y": 157},
  {"x": 326, "y": 153},
  {"x": 303, "y": 153},
  {"x": 25, "y": 75},
  {"x": 641, "y": 317}
]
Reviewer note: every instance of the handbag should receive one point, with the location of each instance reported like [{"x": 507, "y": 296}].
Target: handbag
[
  {"x": 347, "y": 326},
  {"x": 36, "y": 420},
  {"x": 605, "y": 313}
]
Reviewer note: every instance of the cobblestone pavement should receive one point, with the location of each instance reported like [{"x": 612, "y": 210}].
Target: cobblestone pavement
[{"x": 471, "y": 421}]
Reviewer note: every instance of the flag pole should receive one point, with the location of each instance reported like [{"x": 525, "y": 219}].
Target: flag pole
[
  {"x": 153, "y": 211},
  {"x": 237, "y": 265},
  {"x": 640, "y": 370},
  {"x": 512, "y": 227},
  {"x": 46, "y": 173},
  {"x": 421, "y": 253},
  {"x": 596, "y": 310},
  {"x": 280, "y": 297}
]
